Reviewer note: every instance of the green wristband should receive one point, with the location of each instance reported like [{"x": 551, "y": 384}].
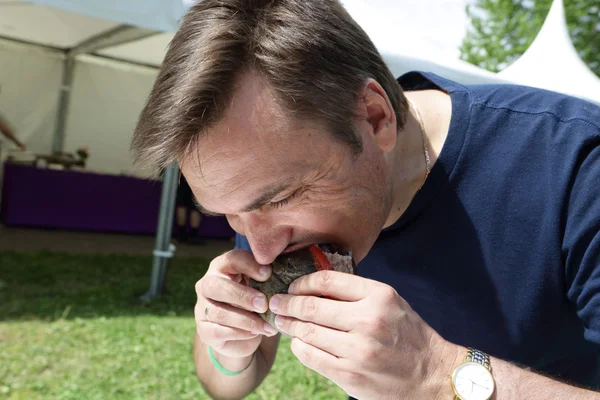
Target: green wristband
[{"x": 221, "y": 368}]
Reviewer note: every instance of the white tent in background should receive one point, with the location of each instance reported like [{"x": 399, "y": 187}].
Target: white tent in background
[
  {"x": 73, "y": 67},
  {"x": 77, "y": 72},
  {"x": 551, "y": 62},
  {"x": 427, "y": 41},
  {"x": 158, "y": 15},
  {"x": 453, "y": 69}
]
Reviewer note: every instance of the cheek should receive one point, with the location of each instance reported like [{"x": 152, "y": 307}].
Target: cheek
[
  {"x": 355, "y": 214},
  {"x": 327, "y": 217}
]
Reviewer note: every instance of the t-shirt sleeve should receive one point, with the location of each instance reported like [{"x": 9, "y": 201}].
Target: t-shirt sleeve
[
  {"x": 241, "y": 242},
  {"x": 581, "y": 244}
]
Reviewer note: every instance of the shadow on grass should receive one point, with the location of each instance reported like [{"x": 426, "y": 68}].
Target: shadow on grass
[{"x": 51, "y": 286}]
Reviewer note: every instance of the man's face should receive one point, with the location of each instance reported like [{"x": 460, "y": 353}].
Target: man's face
[{"x": 286, "y": 185}]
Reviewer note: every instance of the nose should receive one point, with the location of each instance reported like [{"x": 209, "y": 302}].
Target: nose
[{"x": 267, "y": 239}]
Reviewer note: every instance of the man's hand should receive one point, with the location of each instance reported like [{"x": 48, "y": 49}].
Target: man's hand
[
  {"x": 364, "y": 337},
  {"x": 229, "y": 324}
]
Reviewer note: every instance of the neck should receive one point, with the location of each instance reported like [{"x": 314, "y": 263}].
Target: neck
[{"x": 408, "y": 166}]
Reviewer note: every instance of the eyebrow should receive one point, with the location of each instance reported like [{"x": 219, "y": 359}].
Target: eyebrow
[
  {"x": 204, "y": 210},
  {"x": 263, "y": 199}
]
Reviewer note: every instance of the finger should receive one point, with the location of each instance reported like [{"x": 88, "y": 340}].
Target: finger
[
  {"x": 216, "y": 335},
  {"x": 227, "y": 291},
  {"x": 333, "y": 284},
  {"x": 336, "y": 343},
  {"x": 316, "y": 359},
  {"x": 334, "y": 314},
  {"x": 240, "y": 262},
  {"x": 227, "y": 315}
]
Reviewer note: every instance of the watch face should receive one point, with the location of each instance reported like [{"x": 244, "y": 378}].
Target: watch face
[{"x": 473, "y": 381}]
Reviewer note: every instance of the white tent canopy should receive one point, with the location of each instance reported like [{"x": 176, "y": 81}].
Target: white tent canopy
[
  {"x": 159, "y": 15},
  {"x": 64, "y": 24},
  {"x": 427, "y": 40},
  {"x": 551, "y": 62},
  {"x": 105, "y": 91},
  {"x": 60, "y": 97}
]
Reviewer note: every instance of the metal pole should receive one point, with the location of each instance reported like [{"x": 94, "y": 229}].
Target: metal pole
[
  {"x": 63, "y": 104},
  {"x": 112, "y": 37},
  {"x": 164, "y": 250}
]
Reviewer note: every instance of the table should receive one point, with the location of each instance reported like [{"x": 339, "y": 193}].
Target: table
[{"x": 81, "y": 200}]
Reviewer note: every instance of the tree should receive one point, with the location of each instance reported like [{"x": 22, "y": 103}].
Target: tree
[{"x": 501, "y": 30}]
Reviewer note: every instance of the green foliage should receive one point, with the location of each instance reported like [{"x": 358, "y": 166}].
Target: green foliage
[
  {"x": 501, "y": 30},
  {"x": 72, "y": 327}
]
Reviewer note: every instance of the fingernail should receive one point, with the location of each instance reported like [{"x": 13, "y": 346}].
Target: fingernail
[
  {"x": 273, "y": 303},
  {"x": 291, "y": 289},
  {"x": 279, "y": 321},
  {"x": 259, "y": 303},
  {"x": 264, "y": 271},
  {"x": 270, "y": 330}
]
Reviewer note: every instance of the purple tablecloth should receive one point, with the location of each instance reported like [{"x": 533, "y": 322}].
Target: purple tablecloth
[{"x": 88, "y": 201}]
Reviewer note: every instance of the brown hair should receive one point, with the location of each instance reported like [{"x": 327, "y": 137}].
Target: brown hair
[{"x": 313, "y": 55}]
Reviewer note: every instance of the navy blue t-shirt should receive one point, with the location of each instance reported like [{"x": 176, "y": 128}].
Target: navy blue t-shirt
[{"x": 500, "y": 250}]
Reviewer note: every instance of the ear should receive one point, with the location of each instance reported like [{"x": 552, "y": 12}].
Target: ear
[{"x": 377, "y": 111}]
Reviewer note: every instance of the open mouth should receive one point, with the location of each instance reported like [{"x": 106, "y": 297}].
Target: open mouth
[{"x": 332, "y": 248}]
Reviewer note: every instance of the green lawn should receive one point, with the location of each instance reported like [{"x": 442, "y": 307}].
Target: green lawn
[{"x": 72, "y": 327}]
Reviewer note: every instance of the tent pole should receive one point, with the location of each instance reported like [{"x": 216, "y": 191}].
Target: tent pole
[
  {"x": 63, "y": 104},
  {"x": 112, "y": 37},
  {"x": 163, "y": 248}
]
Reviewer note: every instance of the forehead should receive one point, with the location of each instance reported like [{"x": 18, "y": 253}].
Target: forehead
[{"x": 256, "y": 144}]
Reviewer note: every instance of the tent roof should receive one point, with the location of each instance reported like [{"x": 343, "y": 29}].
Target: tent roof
[
  {"x": 150, "y": 51},
  {"x": 439, "y": 36},
  {"x": 552, "y": 62},
  {"x": 58, "y": 28},
  {"x": 47, "y": 26},
  {"x": 159, "y": 15}
]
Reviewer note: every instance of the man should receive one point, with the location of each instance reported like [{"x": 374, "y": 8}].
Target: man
[{"x": 472, "y": 212}]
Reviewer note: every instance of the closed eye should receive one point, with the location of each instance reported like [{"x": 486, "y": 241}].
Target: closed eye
[{"x": 284, "y": 202}]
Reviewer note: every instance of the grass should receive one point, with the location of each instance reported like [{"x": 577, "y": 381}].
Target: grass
[{"x": 72, "y": 327}]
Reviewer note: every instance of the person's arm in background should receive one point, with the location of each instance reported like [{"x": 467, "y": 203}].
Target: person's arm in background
[{"x": 10, "y": 134}]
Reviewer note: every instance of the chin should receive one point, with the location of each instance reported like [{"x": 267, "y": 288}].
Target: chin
[{"x": 360, "y": 250}]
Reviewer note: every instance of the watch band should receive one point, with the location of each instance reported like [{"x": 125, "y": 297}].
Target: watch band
[{"x": 478, "y": 357}]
